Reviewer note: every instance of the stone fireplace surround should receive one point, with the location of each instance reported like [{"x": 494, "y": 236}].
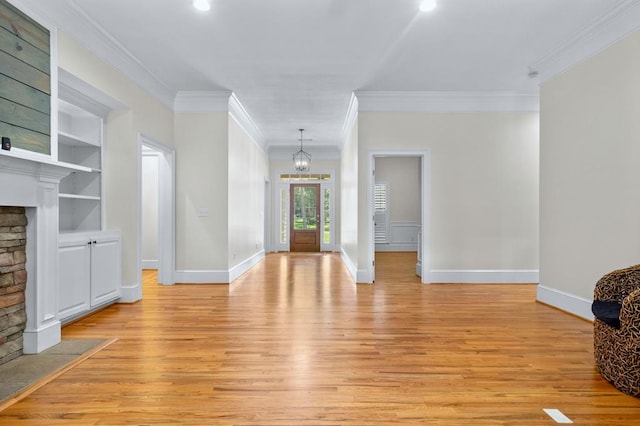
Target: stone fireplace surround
[
  {"x": 13, "y": 280},
  {"x": 32, "y": 181}
]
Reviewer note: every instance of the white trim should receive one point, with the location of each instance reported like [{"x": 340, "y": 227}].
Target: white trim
[
  {"x": 349, "y": 119},
  {"x": 86, "y": 96},
  {"x": 277, "y": 199},
  {"x": 130, "y": 293},
  {"x": 150, "y": 263},
  {"x": 267, "y": 244},
  {"x": 166, "y": 209},
  {"x": 202, "y": 276},
  {"x": 397, "y": 246},
  {"x": 244, "y": 120},
  {"x": 353, "y": 271},
  {"x": 447, "y": 101},
  {"x": 363, "y": 276},
  {"x": 425, "y": 172},
  {"x": 485, "y": 276},
  {"x": 245, "y": 265},
  {"x": 36, "y": 341},
  {"x": 567, "y": 302},
  {"x": 605, "y": 31},
  {"x": 202, "y": 101}
]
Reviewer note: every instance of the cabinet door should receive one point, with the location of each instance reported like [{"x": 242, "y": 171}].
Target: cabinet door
[
  {"x": 105, "y": 271},
  {"x": 74, "y": 277}
]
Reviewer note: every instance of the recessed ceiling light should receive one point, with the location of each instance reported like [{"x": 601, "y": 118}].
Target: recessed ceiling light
[
  {"x": 202, "y": 5},
  {"x": 428, "y": 5}
]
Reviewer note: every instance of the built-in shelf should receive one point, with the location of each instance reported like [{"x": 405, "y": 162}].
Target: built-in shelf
[
  {"x": 79, "y": 197},
  {"x": 80, "y": 144},
  {"x": 73, "y": 140}
]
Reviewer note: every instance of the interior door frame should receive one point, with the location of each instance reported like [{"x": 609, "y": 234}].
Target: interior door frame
[
  {"x": 319, "y": 216},
  {"x": 425, "y": 171},
  {"x": 166, "y": 210}
]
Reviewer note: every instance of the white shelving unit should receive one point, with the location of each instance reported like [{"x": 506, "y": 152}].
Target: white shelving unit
[
  {"x": 89, "y": 257},
  {"x": 80, "y": 136}
]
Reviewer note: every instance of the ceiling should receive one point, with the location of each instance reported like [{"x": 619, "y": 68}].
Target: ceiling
[{"x": 295, "y": 63}]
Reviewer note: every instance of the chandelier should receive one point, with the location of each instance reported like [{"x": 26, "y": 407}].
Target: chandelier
[{"x": 302, "y": 159}]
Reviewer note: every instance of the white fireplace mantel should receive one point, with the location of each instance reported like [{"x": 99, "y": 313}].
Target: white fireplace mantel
[{"x": 33, "y": 181}]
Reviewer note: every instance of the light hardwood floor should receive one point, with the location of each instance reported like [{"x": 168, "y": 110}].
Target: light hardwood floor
[{"x": 294, "y": 341}]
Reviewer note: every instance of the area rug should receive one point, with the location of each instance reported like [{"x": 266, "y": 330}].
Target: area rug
[{"x": 22, "y": 376}]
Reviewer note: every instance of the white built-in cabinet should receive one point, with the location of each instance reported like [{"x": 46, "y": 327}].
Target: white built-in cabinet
[
  {"x": 89, "y": 272},
  {"x": 89, "y": 258}
]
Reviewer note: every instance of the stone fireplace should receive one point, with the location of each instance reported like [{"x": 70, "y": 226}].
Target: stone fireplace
[
  {"x": 13, "y": 280},
  {"x": 28, "y": 252}
]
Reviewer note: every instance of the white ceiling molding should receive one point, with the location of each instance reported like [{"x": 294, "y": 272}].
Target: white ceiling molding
[
  {"x": 439, "y": 102},
  {"x": 244, "y": 120},
  {"x": 602, "y": 33},
  {"x": 77, "y": 24},
  {"x": 202, "y": 101},
  {"x": 349, "y": 119}
]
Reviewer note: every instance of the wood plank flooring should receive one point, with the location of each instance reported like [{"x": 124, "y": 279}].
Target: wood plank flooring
[{"x": 295, "y": 342}]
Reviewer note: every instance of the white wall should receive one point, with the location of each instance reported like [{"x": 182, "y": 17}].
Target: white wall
[
  {"x": 146, "y": 115},
  {"x": 590, "y": 175},
  {"x": 248, "y": 171},
  {"x": 202, "y": 146},
  {"x": 402, "y": 174},
  {"x": 149, "y": 210},
  {"x": 349, "y": 204},
  {"x": 483, "y": 184}
]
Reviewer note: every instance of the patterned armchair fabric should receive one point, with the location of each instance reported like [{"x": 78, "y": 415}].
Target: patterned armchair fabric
[{"x": 617, "y": 350}]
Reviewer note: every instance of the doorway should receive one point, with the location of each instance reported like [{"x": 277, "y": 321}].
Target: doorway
[
  {"x": 407, "y": 230},
  {"x": 164, "y": 237},
  {"x": 305, "y": 217}
]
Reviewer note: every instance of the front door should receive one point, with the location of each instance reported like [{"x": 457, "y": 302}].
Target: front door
[{"x": 305, "y": 217}]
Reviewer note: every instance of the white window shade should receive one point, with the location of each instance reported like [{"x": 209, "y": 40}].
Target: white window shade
[{"x": 381, "y": 208}]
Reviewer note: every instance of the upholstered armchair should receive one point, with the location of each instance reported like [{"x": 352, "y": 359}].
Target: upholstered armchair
[{"x": 616, "y": 328}]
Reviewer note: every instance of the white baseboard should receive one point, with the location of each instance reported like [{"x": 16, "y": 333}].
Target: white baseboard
[
  {"x": 408, "y": 246},
  {"x": 130, "y": 293},
  {"x": 567, "y": 302},
  {"x": 485, "y": 276},
  {"x": 202, "y": 276},
  {"x": 353, "y": 271},
  {"x": 150, "y": 264},
  {"x": 245, "y": 265},
  {"x": 364, "y": 277},
  {"x": 36, "y": 341}
]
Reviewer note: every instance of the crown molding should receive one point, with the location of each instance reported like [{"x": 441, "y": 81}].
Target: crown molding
[
  {"x": 350, "y": 118},
  {"x": 202, "y": 101},
  {"x": 605, "y": 31},
  {"x": 439, "y": 102},
  {"x": 244, "y": 120}
]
